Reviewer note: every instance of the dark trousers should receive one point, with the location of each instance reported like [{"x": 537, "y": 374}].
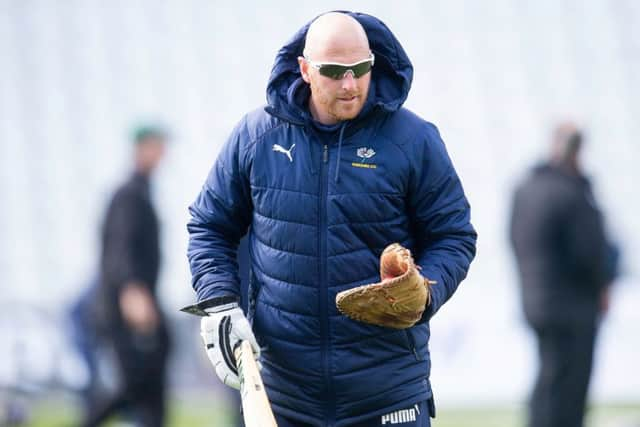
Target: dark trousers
[
  {"x": 142, "y": 363},
  {"x": 560, "y": 392},
  {"x": 414, "y": 415}
]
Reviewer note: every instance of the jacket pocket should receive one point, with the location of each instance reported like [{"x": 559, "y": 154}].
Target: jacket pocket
[
  {"x": 252, "y": 308},
  {"x": 412, "y": 344},
  {"x": 252, "y": 296}
]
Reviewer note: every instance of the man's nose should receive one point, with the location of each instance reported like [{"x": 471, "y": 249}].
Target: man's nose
[{"x": 348, "y": 80}]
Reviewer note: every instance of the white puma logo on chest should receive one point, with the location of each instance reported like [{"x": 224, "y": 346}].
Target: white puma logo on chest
[{"x": 280, "y": 149}]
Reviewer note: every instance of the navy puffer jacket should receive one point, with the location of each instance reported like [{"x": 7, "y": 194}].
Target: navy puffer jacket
[{"x": 322, "y": 202}]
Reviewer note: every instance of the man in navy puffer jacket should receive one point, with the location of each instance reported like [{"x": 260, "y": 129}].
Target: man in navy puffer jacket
[{"x": 325, "y": 177}]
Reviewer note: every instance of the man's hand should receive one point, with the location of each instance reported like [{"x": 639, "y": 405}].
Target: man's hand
[
  {"x": 138, "y": 309},
  {"x": 223, "y": 328}
]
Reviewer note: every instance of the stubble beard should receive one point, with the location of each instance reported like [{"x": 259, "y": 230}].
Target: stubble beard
[
  {"x": 344, "y": 112},
  {"x": 330, "y": 103}
]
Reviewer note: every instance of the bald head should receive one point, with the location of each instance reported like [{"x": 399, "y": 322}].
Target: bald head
[
  {"x": 566, "y": 144},
  {"x": 336, "y": 37}
]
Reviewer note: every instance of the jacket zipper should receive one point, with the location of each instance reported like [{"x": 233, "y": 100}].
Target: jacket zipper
[{"x": 324, "y": 289}]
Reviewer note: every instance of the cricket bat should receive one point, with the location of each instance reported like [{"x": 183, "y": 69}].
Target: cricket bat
[{"x": 256, "y": 409}]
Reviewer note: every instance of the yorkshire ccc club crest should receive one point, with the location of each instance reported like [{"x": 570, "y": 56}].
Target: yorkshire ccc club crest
[{"x": 364, "y": 153}]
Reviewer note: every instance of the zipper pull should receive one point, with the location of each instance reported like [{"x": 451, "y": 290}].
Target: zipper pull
[{"x": 325, "y": 154}]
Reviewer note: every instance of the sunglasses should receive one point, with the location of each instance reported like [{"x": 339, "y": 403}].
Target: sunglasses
[{"x": 336, "y": 70}]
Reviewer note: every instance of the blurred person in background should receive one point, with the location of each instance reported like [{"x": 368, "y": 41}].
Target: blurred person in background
[
  {"x": 332, "y": 171},
  {"x": 130, "y": 263},
  {"x": 566, "y": 266},
  {"x": 86, "y": 336}
]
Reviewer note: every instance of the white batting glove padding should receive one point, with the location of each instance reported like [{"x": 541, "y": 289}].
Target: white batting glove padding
[{"x": 221, "y": 331}]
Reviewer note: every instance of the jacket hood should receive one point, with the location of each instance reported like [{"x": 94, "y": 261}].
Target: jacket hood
[{"x": 390, "y": 80}]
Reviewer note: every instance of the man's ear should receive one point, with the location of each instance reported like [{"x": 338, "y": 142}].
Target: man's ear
[{"x": 304, "y": 69}]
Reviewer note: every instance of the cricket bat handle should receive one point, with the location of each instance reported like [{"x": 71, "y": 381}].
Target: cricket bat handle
[{"x": 256, "y": 409}]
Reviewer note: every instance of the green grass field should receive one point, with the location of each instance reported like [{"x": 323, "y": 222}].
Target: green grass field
[
  {"x": 55, "y": 412},
  {"x": 209, "y": 413}
]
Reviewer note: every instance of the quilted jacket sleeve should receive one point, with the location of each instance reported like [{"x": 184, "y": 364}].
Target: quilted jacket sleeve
[
  {"x": 220, "y": 216},
  {"x": 446, "y": 240}
]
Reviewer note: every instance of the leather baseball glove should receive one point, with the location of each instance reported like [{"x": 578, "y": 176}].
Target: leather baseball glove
[{"x": 398, "y": 301}]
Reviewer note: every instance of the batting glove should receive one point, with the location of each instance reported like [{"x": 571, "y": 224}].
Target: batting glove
[{"x": 222, "y": 330}]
